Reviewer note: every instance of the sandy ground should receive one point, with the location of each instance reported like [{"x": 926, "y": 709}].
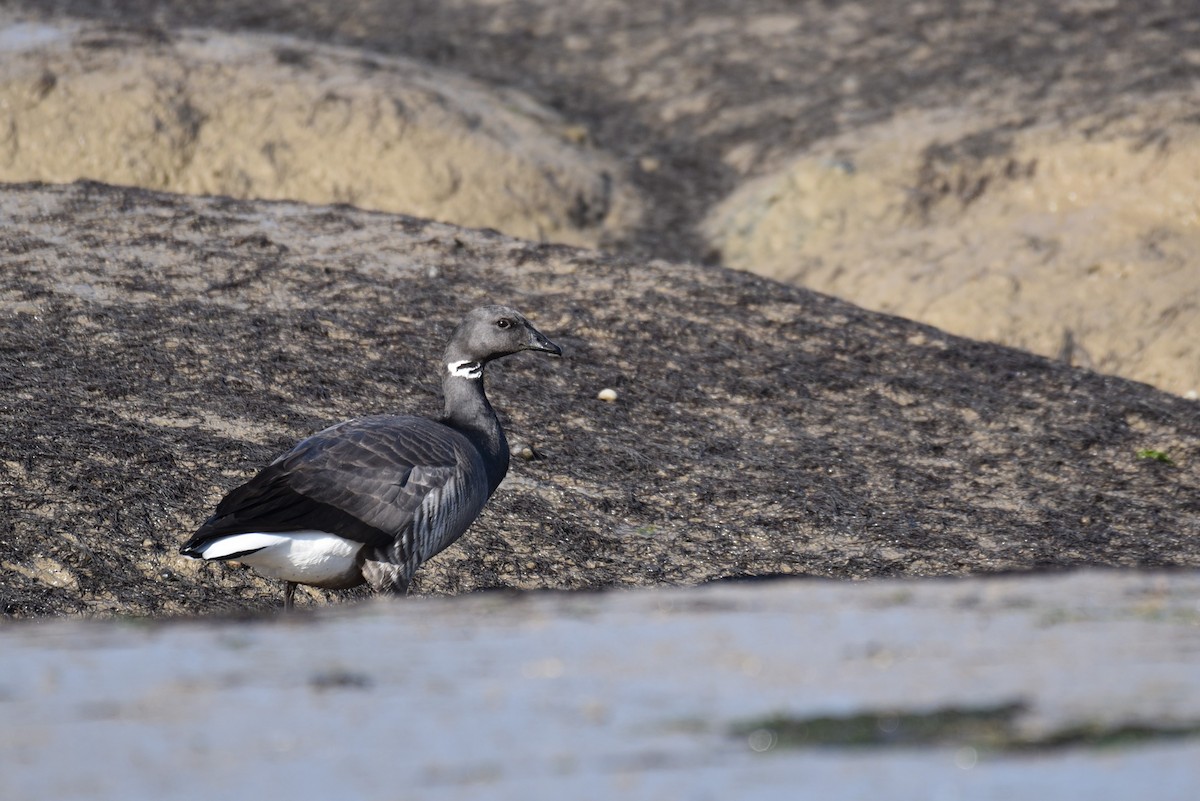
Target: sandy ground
[
  {"x": 1013, "y": 171},
  {"x": 1071, "y": 241},
  {"x": 255, "y": 116}
]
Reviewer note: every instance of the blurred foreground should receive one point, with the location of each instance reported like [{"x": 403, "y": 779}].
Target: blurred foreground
[{"x": 1077, "y": 685}]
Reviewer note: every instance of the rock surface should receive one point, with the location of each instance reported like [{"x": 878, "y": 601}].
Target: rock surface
[
  {"x": 159, "y": 348},
  {"x": 258, "y": 116},
  {"x": 1081, "y": 686}
]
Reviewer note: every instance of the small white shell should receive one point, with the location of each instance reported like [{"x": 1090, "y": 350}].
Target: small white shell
[{"x": 607, "y": 395}]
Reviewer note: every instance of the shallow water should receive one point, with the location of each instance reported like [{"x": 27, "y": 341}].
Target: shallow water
[{"x": 630, "y": 694}]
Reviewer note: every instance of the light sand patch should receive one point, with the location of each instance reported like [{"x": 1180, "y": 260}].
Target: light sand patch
[
  {"x": 273, "y": 117},
  {"x": 1076, "y": 241},
  {"x": 48, "y": 571}
]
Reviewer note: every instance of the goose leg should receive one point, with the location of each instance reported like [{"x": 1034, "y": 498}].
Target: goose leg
[{"x": 289, "y": 595}]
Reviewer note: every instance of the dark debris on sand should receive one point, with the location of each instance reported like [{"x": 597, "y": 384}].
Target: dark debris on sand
[{"x": 157, "y": 349}]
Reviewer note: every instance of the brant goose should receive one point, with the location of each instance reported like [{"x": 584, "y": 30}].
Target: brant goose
[{"x": 370, "y": 500}]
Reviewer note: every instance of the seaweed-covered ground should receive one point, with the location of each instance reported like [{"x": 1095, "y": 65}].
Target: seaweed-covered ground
[{"x": 156, "y": 349}]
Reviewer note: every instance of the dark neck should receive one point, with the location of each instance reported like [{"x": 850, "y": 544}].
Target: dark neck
[{"x": 468, "y": 411}]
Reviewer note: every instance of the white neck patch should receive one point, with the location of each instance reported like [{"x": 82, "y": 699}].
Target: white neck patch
[{"x": 465, "y": 369}]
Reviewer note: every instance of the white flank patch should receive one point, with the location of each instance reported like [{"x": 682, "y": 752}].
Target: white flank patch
[
  {"x": 465, "y": 369},
  {"x": 309, "y": 557}
]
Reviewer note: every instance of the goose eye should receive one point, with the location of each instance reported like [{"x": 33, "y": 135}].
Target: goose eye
[{"x": 502, "y": 323}]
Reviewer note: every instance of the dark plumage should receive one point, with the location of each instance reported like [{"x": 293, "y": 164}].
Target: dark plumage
[{"x": 370, "y": 500}]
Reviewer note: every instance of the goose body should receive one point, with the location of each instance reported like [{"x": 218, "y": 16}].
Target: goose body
[{"x": 370, "y": 500}]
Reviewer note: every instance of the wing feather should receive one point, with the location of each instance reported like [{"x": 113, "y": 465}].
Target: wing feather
[{"x": 400, "y": 484}]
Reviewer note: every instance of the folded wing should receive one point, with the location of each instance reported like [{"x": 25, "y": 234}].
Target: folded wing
[{"x": 406, "y": 487}]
